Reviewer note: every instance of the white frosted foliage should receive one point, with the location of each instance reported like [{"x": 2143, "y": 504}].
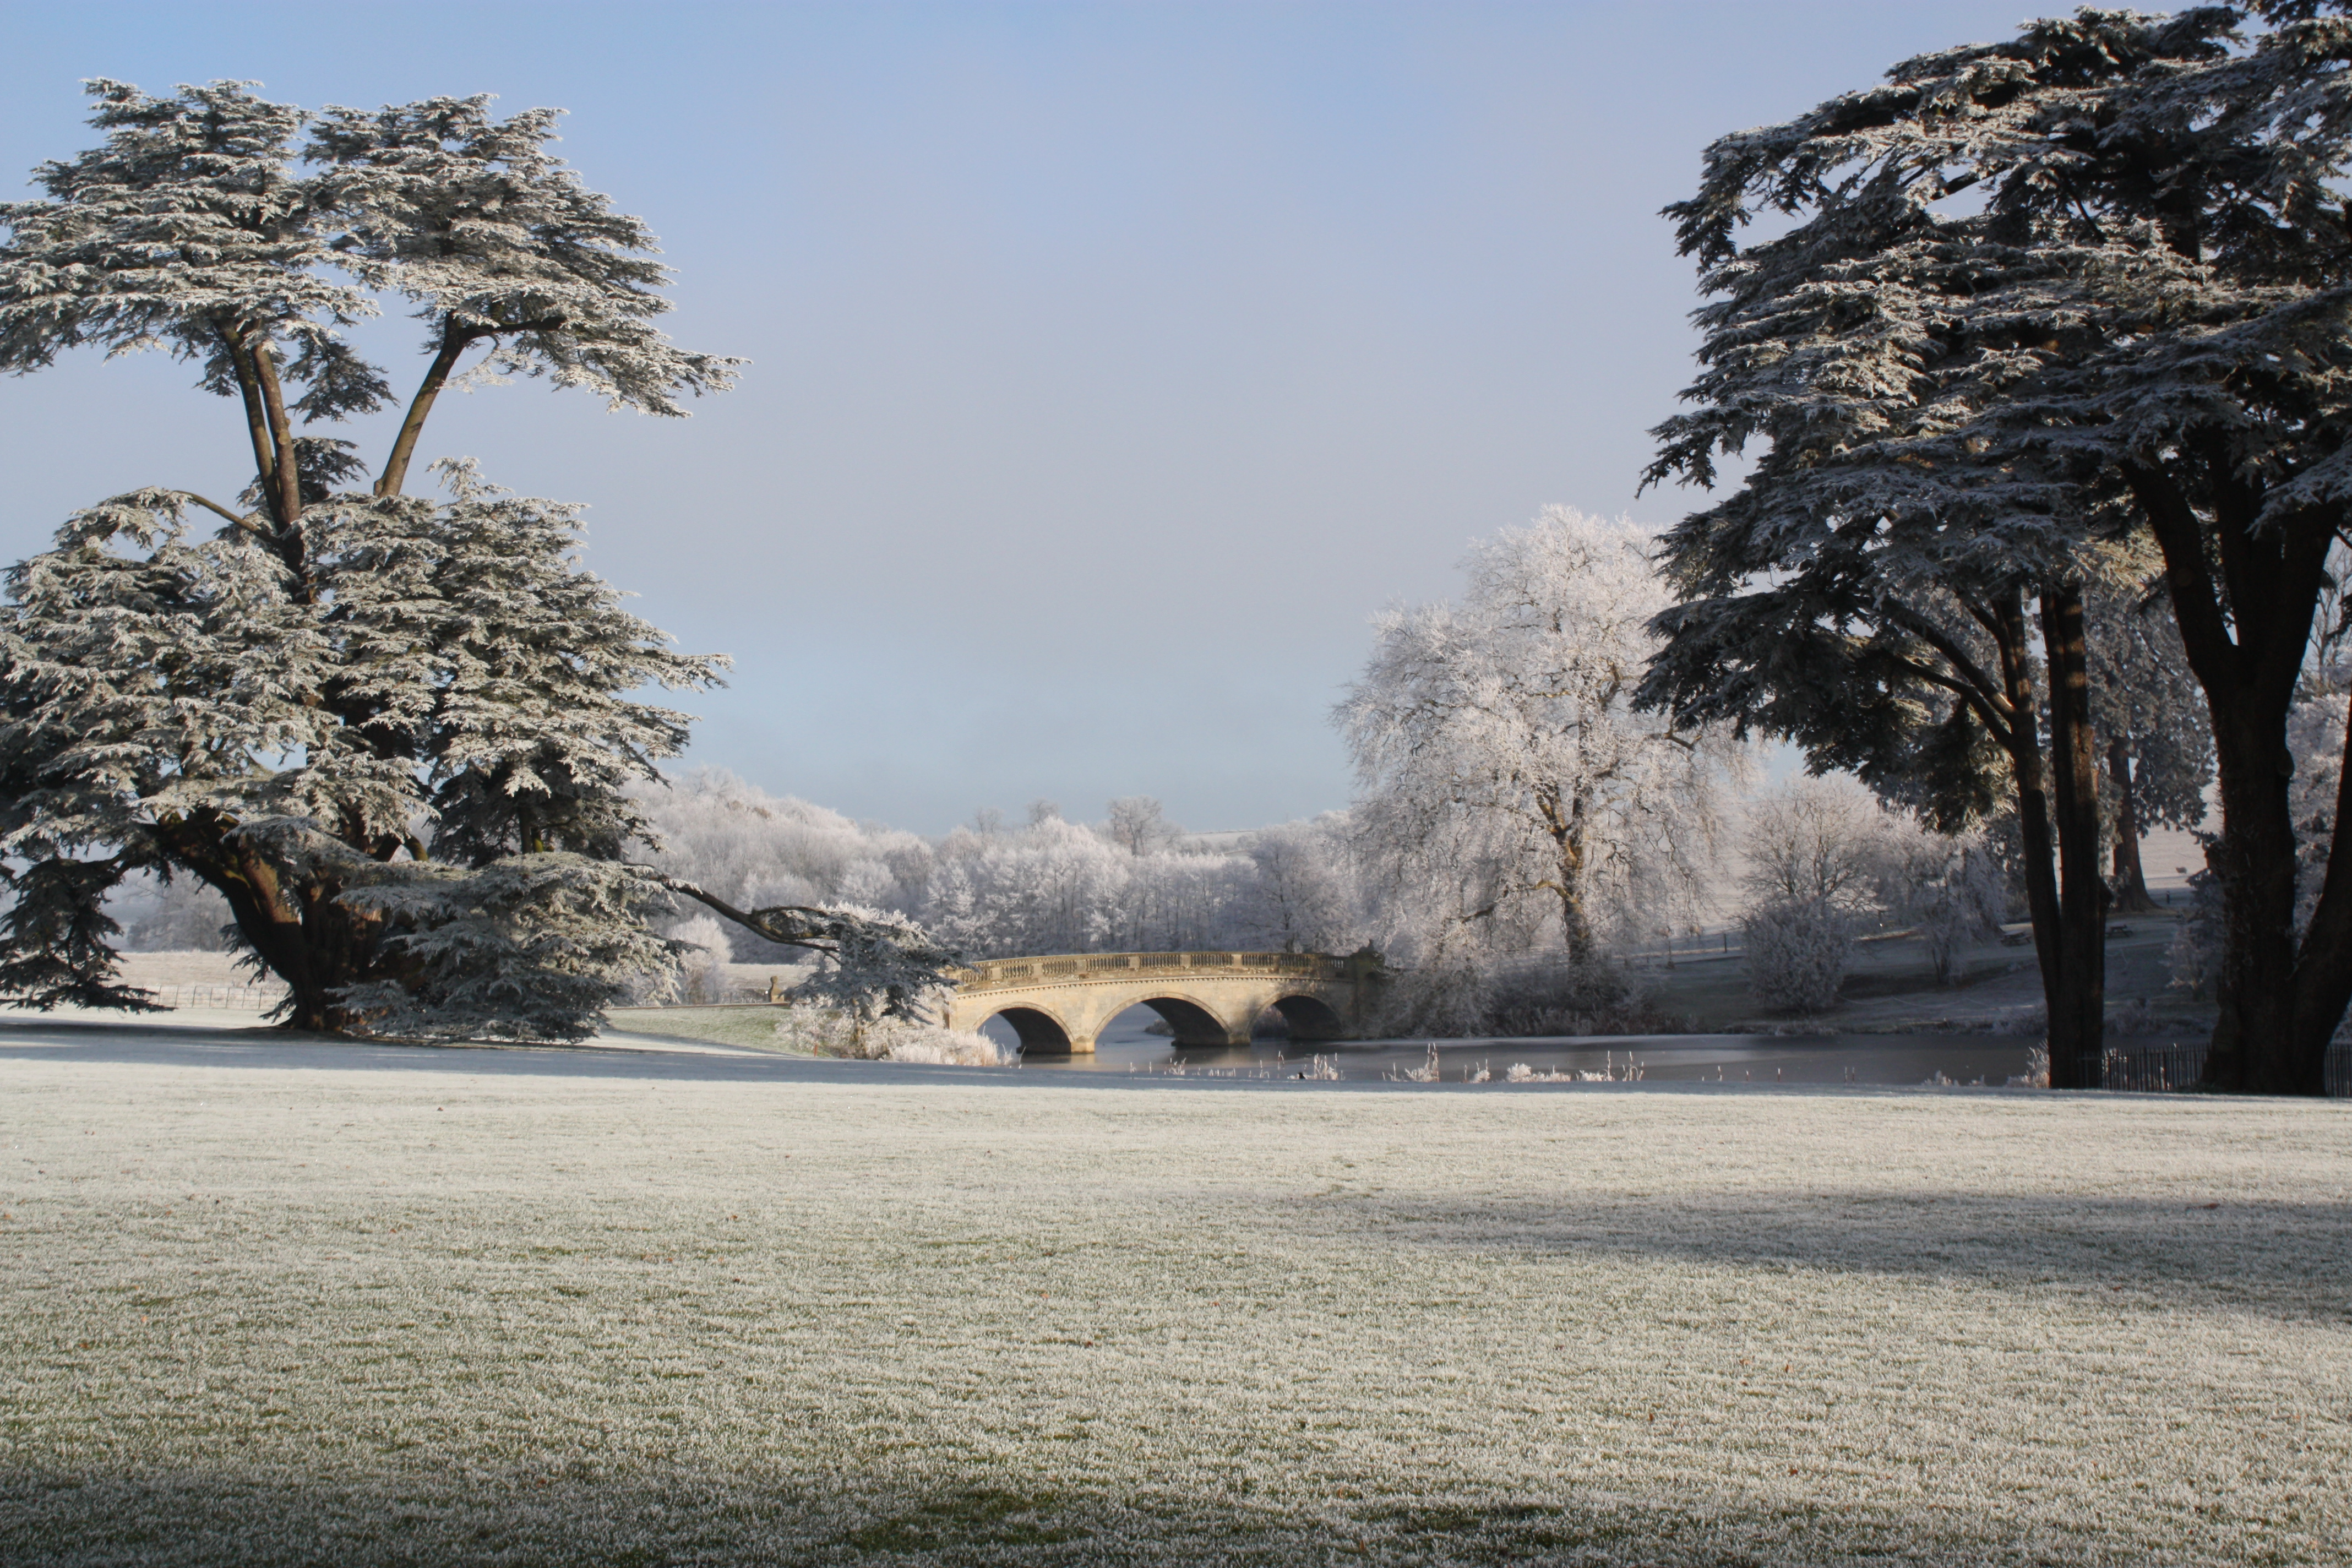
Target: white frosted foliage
[{"x": 1506, "y": 783}]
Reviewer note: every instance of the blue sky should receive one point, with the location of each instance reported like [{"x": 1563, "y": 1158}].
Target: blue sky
[{"x": 1113, "y": 362}]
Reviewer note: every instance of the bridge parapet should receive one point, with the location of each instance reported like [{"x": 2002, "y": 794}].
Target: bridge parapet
[{"x": 1028, "y": 972}]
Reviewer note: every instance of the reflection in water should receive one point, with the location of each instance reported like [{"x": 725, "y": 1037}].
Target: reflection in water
[{"x": 1730, "y": 1058}]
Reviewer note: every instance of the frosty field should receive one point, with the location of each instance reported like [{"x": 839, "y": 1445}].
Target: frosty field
[{"x": 304, "y": 1312}]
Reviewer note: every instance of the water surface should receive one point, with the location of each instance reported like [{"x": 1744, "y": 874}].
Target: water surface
[{"x": 1125, "y": 1048}]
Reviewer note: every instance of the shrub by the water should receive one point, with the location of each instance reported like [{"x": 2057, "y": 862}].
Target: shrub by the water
[
  {"x": 1797, "y": 954},
  {"x": 830, "y": 1032}
]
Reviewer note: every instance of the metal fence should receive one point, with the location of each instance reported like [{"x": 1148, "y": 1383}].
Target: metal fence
[
  {"x": 234, "y": 998},
  {"x": 2164, "y": 1068}
]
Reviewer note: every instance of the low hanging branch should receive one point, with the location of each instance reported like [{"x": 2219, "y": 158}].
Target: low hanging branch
[{"x": 883, "y": 964}]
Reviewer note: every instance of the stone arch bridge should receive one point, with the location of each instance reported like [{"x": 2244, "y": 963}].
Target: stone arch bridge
[{"x": 1060, "y": 1003}]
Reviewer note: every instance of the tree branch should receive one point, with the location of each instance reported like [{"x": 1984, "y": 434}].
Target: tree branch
[
  {"x": 2002, "y": 731},
  {"x": 1954, "y": 654},
  {"x": 246, "y": 523},
  {"x": 273, "y": 402},
  {"x": 792, "y": 925},
  {"x": 412, "y": 424},
  {"x": 256, "y": 419},
  {"x": 2212, "y": 652}
]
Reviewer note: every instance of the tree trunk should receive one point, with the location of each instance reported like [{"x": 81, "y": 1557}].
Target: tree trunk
[
  {"x": 1576, "y": 927},
  {"x": 2323, "y": 973},
  {"x": 412, "y": 424},
  {"x": 2253, "y": 861},
  {"x": 298, "y": 929},
  {"x": 2058, "y": 819},
  {"x": 2271, "y": 1035},
  {"x": 1564, "y": 820},
  {"x": 2078, "y": 1012},
  {"x": 2130, "y": 879}
]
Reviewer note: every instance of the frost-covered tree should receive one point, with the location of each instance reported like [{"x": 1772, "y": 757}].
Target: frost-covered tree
[
  {"x": 1796, "y": 950},
  {"x": 1138, "y": 825},
  {"x": 1306, "y": 896},
  {"x": 1050, "y": 887},
  {"x": 1055, "y": 887},
  {"x": 1815, "y": 852},
  {"x": 2025, "y": 296},
  {"x": 404, "y": 774},
  {"x": 393, "y": 733},
  {"x": 1947, "y": 886},
  {"x": 704, "y": 950},
  {"x": 1824, "y": 853},
  {"x": 1815, "y": 840},
  {"x": 1503, "y": 775}
]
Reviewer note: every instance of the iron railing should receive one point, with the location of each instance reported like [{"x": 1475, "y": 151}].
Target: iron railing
[
  {"x": 2161, "y": 1069},
  {"x": 233, "y": 998}
]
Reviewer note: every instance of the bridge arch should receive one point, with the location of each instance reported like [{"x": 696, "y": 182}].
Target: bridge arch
[
  {"x": 1195, "y": 1022},
  {"x": 1037, "y": 1029},
  {"x": 1310, "y": 1017}
]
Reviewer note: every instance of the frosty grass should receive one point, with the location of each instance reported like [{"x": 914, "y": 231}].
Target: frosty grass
[{"x": 260, "y": 1316}]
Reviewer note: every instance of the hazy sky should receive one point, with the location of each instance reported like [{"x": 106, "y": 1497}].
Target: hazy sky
[{"x": 1113, "y": 362}]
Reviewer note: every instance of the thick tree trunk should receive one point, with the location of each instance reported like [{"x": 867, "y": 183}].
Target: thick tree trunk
[
  {"x": 300, "y": 933},
  {"x": 1564, "y": 820},
  {"x": 2130, "y": 880},
  {"x": 2078, "y": 1011},
  {"x": 1575, "y": 925},
  {"x": 2041, "y": 886},
  {"x": 2271, "y": 1035},
  {"x": 2058, "y": 820},
  {"x": 2253, "y": 861}
]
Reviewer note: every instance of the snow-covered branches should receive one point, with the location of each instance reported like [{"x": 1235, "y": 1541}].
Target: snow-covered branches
[
  {"x": 878, "y": 963},
  {"x": 529, "y": 946},
  {"x": 1505, "y": 778},
  {"x": 498, "y": 244},
  {"x": 1797, "y": 950},
  {"x": 246, "y": 235},
  {"x": 1823, "y": 856},
  {"x": 1816, "y": 840},
  {"x": 411, "y": 778}
]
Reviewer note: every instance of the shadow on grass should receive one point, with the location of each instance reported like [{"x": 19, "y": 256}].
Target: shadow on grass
[
  {"x": 166, "y": 1519},
  {"x": 2290, "y": 1259}
]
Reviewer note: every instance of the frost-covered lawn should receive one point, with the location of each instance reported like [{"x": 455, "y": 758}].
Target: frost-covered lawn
[
  {"x": 752, "y": 1028},
  {"x": 332, "y": 1316}
]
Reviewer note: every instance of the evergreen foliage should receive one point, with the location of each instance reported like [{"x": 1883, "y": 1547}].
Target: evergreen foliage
[
  {"x": 2086, "y": 286},
  {"x": 395, "y": 734}
]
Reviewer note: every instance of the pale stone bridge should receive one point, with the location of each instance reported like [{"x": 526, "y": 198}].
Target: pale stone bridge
[{"x": 1209, "y": 998}]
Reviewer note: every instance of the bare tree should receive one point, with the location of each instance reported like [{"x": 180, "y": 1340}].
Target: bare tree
[
  {"x": 1816, "y": 839},
  {"x": 1136, "y": 826}
]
